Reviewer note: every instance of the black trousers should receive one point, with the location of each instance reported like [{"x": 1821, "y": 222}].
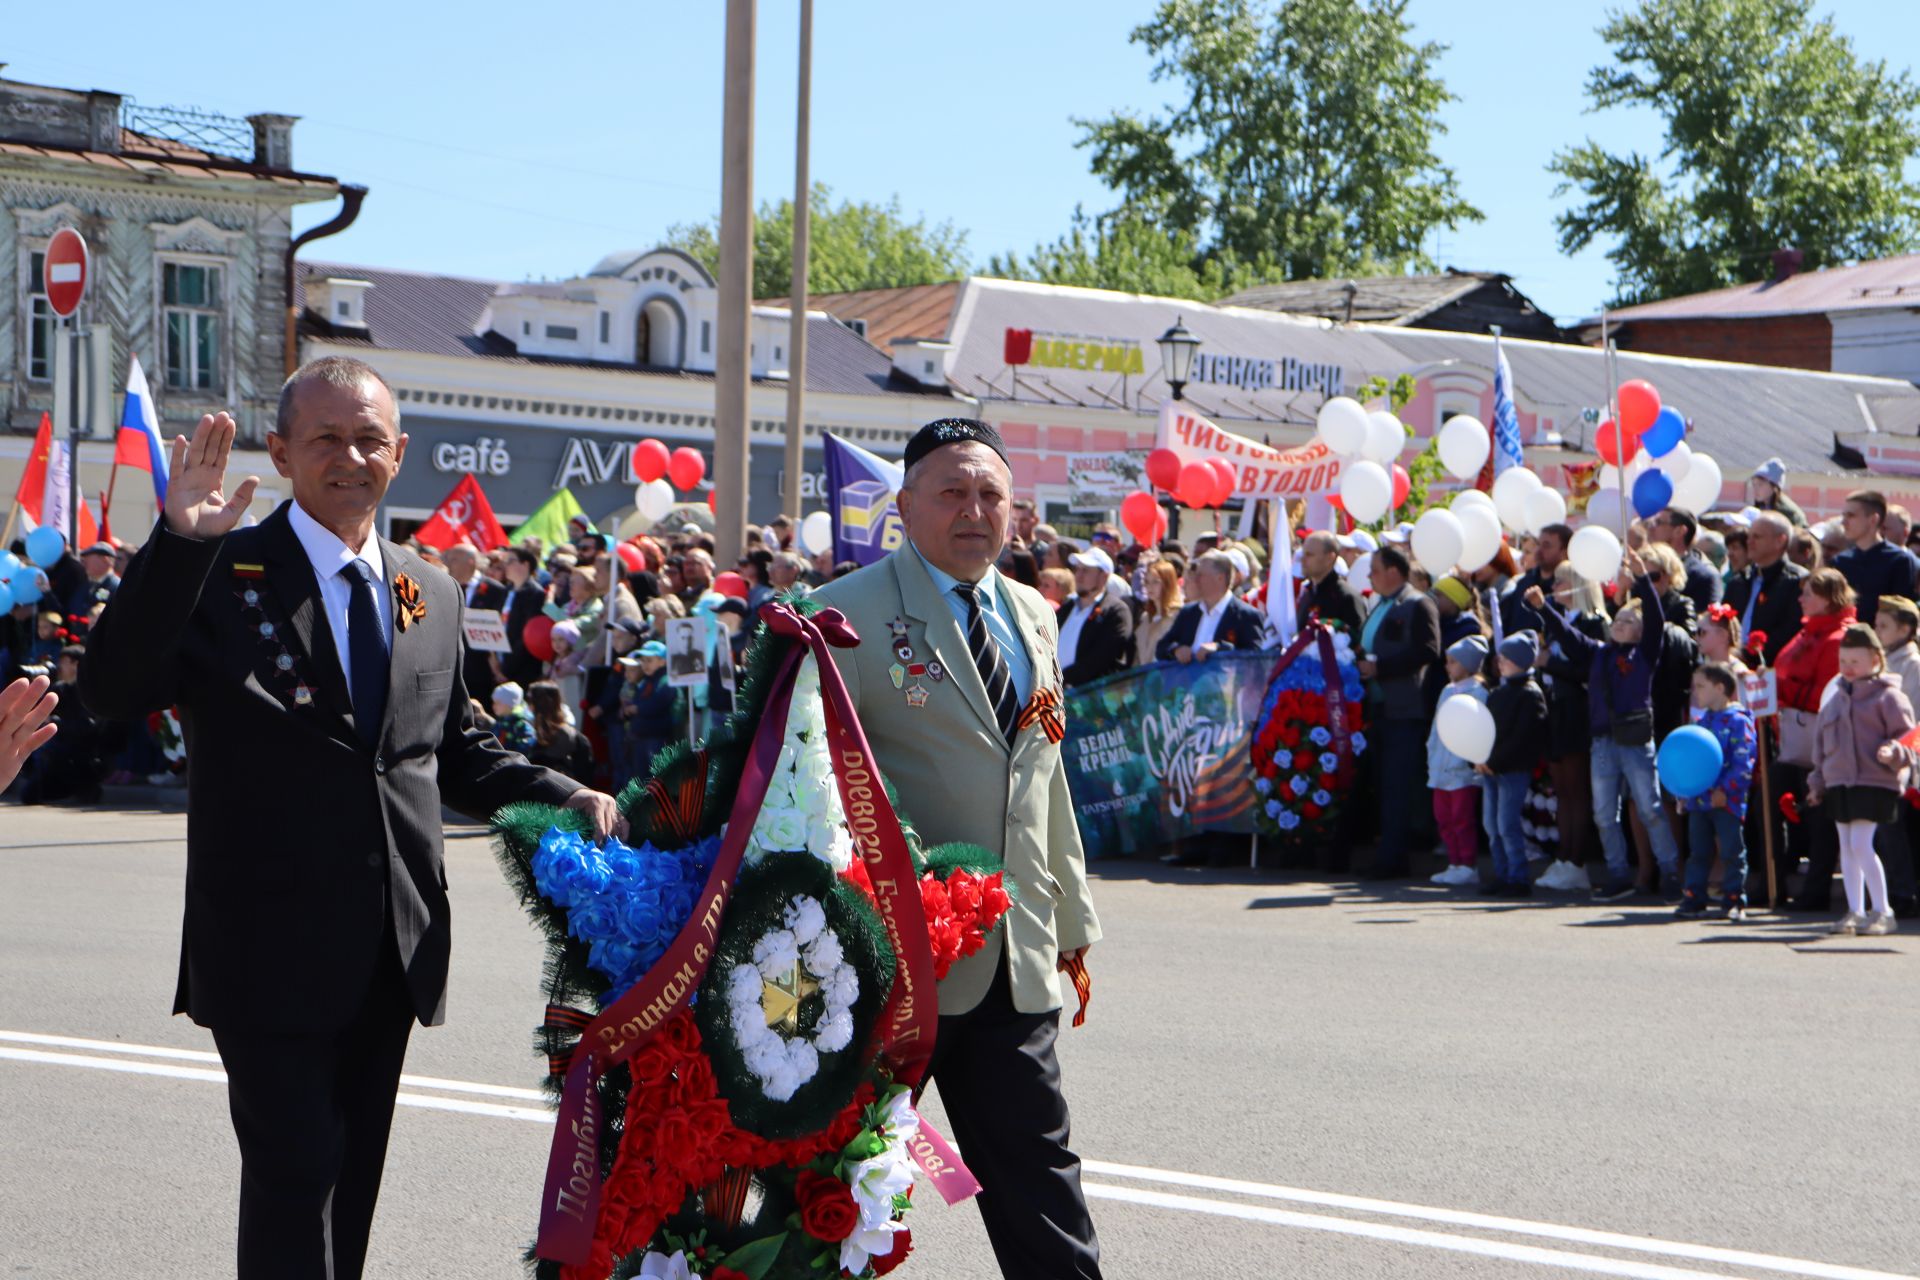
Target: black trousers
[
  {"x": 1399, "y": 750},
  {"x": 312, "y": 1113},
  {"x": 1000, "y": 1083}
]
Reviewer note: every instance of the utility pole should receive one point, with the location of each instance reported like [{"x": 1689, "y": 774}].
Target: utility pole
[
  {"x": 732, "y": 371},
  {"x": 802, "y": 214}
]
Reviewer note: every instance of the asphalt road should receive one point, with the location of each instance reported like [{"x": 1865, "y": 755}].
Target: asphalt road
[{"x": 1279, "y": 1078}]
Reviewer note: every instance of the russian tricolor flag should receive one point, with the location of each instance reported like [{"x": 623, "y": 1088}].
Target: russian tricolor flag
[{"x": 139, "y": 443}]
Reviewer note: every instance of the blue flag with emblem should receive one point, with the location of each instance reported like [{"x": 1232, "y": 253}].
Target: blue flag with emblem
[
  {"x": 860, "y": 490},
  {"x": 1506, "y": 421}
]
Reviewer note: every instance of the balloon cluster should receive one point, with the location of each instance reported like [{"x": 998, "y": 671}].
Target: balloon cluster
[
  {"x": 1371, "y": 481},
  {"x": 24, "y": 582},
  {"x": 660, "y": 472},
  {"x": 1196, "y": 484},
  {"x": 1649, "y": 464}
]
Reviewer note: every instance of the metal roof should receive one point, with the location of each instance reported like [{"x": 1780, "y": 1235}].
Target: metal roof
[
  {"x": 143, "y": 156},
  {"x": 911, "y": 311},
  {"x": 1882, "y": 283},
  {"x": 449, "y": 316},
  {"x": 1395, "y": 300}
]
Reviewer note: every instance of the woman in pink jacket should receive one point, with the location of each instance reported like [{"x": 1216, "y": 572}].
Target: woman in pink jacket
[{"x": 1860, "y": 770}]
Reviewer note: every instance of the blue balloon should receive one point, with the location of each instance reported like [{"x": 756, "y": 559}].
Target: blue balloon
[
  {"x": 8, "y": 563},
  {"x": 1668, "y": 430},
  {"x": 1651, "y": 492},
  {"x": 1689, "y": 761},
  {"x": 25, "y": 588},
  {"x": 44, "y": 546}
]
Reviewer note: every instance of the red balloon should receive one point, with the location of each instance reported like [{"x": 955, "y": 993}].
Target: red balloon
[
  {"x": 1198, "y": 482},
  {"x": 1163, "y": 469},
  {"x": 686, "y": 468},
  {"x": 1160, "y": 527},
  {"x": 631, "y": 557},
  {"x": 649, "y": 461},
  {"x": 1607, "y": 442},
  {"x": 1639, "y": 406},
  {"x": 1229, "y": 480},
  {"x": 538, "y": 638},
  {"x": 1402, "y": 482},
  {"x": 1335, "y": 501},
  {"x": 712, "y": 505},
  {"x": 1141, "y": 514},
  {"x": 730, "y": 584}
]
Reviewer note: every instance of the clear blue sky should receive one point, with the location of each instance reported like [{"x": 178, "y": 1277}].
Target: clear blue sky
[{"x": 511, "y": 146}]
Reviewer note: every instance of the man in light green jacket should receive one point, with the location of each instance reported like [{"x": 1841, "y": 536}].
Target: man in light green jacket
[{"x": 958, "y": 686}]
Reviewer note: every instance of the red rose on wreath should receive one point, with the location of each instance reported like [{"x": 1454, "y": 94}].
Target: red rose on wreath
[
  {"x": 726, "y": 1273},
  {"x": 827, "y": 1210},
  {"x": 902, "y": 1246},
  {"x": 1304, "y": 760}
]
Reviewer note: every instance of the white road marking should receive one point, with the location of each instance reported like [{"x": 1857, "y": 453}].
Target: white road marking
[{"x": 166, "y": 1068}]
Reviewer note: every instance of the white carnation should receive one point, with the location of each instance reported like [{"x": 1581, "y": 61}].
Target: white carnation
[
  {"x": 841, "y": 987},
  {"x": 776, "y": 952},
  {"x": 743, "y": 984},
  {"x": 823, "y": 955},
  {"x": 834, "y": 1032},
  {"x": 807, "y": 919}
]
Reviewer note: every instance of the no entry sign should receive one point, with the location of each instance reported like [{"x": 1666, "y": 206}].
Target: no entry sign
[{"x": 66, "y": 276}]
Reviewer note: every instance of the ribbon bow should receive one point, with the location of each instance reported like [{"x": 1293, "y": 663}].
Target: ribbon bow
[
  {"x": 1044, "y": 708},
  {"x": 830, "y": 625},
  {"x": 1721, "y": 612},
  {"x": 413, "y": 607}
]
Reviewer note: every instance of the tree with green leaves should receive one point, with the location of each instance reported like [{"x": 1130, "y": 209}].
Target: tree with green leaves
[
  {"x": 851, "y": 245},
  {"x": 1302, "y": 143},
  {"x": 1123, "y": 251},
  {"x": 1777, "y": 135}
]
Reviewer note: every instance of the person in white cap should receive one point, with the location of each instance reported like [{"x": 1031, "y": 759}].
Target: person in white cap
[
  {"x": 1356, "y": 544},
  {"x": 1242, "y": 570},
  {"x": 1770, "y": 493},
  {"x": 1096, "y": 630}
]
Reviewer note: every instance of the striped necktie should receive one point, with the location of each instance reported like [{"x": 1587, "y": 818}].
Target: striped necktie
[{"x": 991, "y": 663}]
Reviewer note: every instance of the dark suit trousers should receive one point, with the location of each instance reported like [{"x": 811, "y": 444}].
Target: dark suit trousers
[
  {"x": 312, "y": 1112},
  {"x": 1399, "y": 749},
  {"x": 1000, "y": 1083}
]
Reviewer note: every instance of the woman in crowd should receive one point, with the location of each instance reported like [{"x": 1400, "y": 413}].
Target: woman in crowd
[
  {"x": 1164, "y": 602},
  {"x": 556, "y": 743},
  {"x": 1804, "y": 669}
]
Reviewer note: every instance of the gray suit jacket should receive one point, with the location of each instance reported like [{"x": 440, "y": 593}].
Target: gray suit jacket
[{"x": 957, "y": 778}]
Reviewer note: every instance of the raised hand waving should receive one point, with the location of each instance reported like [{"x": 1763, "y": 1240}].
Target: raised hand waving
[{"x": 195, "y": 506}]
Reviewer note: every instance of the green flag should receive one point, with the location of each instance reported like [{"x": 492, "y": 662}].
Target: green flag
[{"x": 549, "y": 523}]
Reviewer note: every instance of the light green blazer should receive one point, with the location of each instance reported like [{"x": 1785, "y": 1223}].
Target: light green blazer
[{"x": 957, "y": 778}]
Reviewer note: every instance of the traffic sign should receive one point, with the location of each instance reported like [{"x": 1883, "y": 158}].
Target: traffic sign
[{"x": 66, "y": 272}]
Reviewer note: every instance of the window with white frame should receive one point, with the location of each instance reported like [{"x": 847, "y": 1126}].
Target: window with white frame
[
  {"x": 191, "y": 311},
  {"x": 41, "y": 322}
]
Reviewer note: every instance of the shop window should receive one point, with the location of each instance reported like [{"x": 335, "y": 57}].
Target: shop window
[
  {"x": 191, "y": 314},
  {"x": 41, "y": 322},
  {"x": 706, "y": 337},
  {"x": 563, "y": 333},
  {"x": 606, "y": 327}
]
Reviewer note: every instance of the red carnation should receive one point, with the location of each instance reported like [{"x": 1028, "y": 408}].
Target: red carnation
[
  {"x": 827, "y": 1210},
  {"x": 1790, "y": 807},
  {"x": 1304, "y": 760},
  {"x": 1310, "y": 810},
  {"x": 993, "y": 898},
  {"x": 963, "y": 890}
]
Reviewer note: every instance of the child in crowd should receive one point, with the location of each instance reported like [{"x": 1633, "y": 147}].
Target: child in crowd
[
  {"x": 568, "y": 668},
  {"x": 1720, "y": 811},
  {"x": 1620, "y": 718},
  {"x": 1896, "y": 623},
  {"x": 511, "y": 723},
  {"x": 1519, "y": 709},
  {"x": 639, "y": 712},
  {"x": 1454, "y": 783},
  {"x": 1720, "y": 639},
  {"x": 1860, "y": 771}
]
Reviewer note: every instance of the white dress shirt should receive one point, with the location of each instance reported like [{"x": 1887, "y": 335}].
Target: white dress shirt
[
  {"x": 1069, "y": 650},
  {"x": 1210, "y": 621},
  {"x": 329, "y": 556}
]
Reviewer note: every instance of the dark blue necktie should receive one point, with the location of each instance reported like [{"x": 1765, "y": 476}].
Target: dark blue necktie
[{"x": 366, "y": 652}]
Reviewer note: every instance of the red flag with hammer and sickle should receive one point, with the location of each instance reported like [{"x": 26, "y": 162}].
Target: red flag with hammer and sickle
[{"x": 464, "y": 516}]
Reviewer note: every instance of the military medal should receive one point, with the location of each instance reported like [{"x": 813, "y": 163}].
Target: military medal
[
  {"x": 899, "y": 628},
  {"x": 903, "y": 651},
  {"x": 249, "y": 570},
  {"x": 897, "y": 674},
  {"x": 917, "y": 696},
  {"x": 266, "y": 630},
  {"x": 935, "y": 671},
  {"x": 302, "y": 695}
]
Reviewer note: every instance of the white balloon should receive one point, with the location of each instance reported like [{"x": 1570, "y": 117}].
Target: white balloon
[
  {"x": 1674, "y": 463},
  {"x": 1480, "y": 535},
  {"x": 1366, "y": 490},
  {"x": 1510, "y": 493},
  {"x": 1609, "y": 476},
  {"x": 1699, "y": 489},
  {"x": 1463, "y": 446},
  {"x": 1466, "y": 728},
  {"x": 816, "y": 533},
  {"x": 1343, "y": 425},
  {"x": 1608, "y": 508},
  {"x": 1360, "y": 572},
  {"x": 1543, "y": 507},
  {"x": 654, "y": 499},
  {"x": 1438, "y": 540},
  {"x": 1594, "y": 553},
  {"x": 1470, "y": 498},
  {"x": 1385, "y": 438}
]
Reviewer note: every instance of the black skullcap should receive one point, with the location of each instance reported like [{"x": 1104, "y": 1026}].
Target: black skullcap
[{"x": 945, "y": 431}]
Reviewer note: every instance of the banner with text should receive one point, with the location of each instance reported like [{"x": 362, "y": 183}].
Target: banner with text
[
  {"x": 1163, "y": 751},
  {"x": 860, "y": 489},
  {"x": 1097, "y": 481},
  {"x": 1260, "y": 471}
]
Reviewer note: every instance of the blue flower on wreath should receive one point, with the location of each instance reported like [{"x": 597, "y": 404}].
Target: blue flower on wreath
[
  {"x": 1322, "y": 799},
  {"x": 1329, "y": 762},
  {"x": 1263, "y": 785},
  {"x": 1288, "y": 820},
  {"x": 1359, "y": 743},
  {"x": 1298, "y": 786},
  {"x": 1320, "y": 736},
  {"x": 1273, "y": 808},
  {"x": 625, "y": 904}
]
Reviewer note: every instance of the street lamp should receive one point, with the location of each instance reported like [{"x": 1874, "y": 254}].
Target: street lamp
[{"x": 1176, "y": 355}]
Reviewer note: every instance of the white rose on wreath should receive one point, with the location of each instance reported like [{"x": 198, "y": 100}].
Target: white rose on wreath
[
  {"x": 780, "y": 830},
  {"x": 764, "y": 998}
]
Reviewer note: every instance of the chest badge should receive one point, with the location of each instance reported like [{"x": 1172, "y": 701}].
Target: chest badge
[{"x": 917, "y": 696}]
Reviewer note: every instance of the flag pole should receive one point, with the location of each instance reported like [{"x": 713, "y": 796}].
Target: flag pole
[{"x": 113, "y": 474}]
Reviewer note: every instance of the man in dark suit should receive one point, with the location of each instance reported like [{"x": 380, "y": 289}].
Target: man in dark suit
[
  {"x": 1768, "y": 598},
  {"x": 1096, "y": 628},
  {"x": 463, "y": 566},
  {"x": 1325, "y": 592},
  {"x": 526, "y": 600},
  {"x": 1401, "y": 638},
  {"x": 1217, "y": 620},
  {"x": 1549, "y": 553},
  {"x": 319, "y": 671}
]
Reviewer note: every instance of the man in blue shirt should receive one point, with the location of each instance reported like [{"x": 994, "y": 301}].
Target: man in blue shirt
[{"x": 1872, "y": 566}]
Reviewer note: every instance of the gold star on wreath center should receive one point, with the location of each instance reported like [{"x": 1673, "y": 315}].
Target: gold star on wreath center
[{"x": 780, "y": 997}]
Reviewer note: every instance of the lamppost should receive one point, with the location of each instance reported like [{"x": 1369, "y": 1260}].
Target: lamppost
[{"x": 1177, "y": 346}]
